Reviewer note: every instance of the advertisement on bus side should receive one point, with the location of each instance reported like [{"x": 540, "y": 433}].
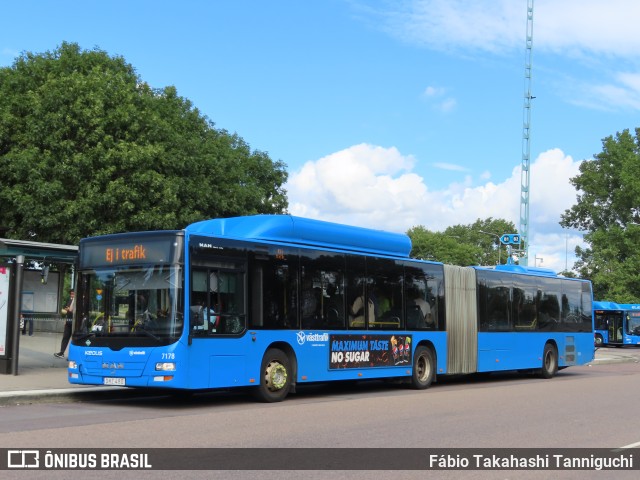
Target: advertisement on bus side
[{"x": 358, "y": 351}]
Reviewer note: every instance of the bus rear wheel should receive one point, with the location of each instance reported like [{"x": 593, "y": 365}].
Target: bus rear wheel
[
  {"x": 275, "y": 377},
  {"x": 549, "y": 361},
  {"x": 598, "y": 340},
  {"x": 424, "y": 368}
]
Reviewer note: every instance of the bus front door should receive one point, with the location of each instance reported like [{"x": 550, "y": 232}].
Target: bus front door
[{"x": 615, "y": 328}]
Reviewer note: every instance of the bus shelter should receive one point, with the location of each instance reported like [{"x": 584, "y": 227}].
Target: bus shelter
[{"x": 31, "y": 284}]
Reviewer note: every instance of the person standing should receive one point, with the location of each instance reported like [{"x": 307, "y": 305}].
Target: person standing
[
  {"x": 24, "y": 322},
  {"x": 68, "y": 324}
]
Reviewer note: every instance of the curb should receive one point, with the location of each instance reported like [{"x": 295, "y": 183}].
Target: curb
[
  {"x": 16, "y": 397},
  {"x": 610, "y": 360}
]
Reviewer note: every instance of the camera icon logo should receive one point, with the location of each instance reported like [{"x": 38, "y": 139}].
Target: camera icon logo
[{"x": 23, "y": 459}]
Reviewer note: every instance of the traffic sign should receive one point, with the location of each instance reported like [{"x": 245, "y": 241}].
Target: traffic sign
[{"x": 510, "y": 239}]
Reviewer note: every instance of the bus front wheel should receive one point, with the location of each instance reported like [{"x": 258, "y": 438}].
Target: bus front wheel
[
  {"x": 549, "y": 361},
  {"x": 275, "y": 376},
  {"x": 424, "y": 368},
  {"x": 599, "y": 340}
]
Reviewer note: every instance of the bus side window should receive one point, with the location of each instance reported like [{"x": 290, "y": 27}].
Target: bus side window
[
  {"x": 334, "y": 304},
  {"x": 310, "y": 300},
  {"x": 274, "y": 292},
  {"x": 234, "y": 324},
  {"x": 422, "y": 296}
]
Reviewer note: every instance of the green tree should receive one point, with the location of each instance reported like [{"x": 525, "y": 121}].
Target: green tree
[
  {"x": 87, "y": 147},
  {"x": 474, "y": 244},
  {"x": 608, "y": 210}
]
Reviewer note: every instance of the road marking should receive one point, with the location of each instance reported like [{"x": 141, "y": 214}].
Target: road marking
[{"x": 631, "y": 445}]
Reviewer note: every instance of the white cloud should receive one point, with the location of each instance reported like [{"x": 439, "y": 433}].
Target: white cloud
[
  {"x": 375, "y": 187},
  {"x": 620, "y": 92},
  {"x": 434, "y": 96},
  {"x": 554, "y": 250},
  {"x": 433, "y": 91},
  {"x": 574, "y": 27},
  {"x": 450, "y": 166},
  {"x": 588, "y": 26},
  {"x": 450, "y": 24},
  {"x": 625, "y": 93},
  {"x": 447, "y": 105},
  {"x": 357, "y": 185},
  {"x": 600, "y": 36}
]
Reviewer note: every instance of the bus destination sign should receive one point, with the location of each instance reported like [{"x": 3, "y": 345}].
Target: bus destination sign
[
  {"x": 128, "y": 252},
  {"x": 117, "y": 254}
]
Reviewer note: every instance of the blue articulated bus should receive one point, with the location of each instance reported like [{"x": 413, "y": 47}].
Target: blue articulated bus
[
  {"x": 616, "y": 324},
  {"x": 271, "y": 302}
]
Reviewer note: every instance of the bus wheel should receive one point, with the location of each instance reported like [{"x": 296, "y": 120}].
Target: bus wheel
[
  {"x": 424, "y": 368},
  {"x": 599, "y": 341},
  {"x": 549, "y": 361},
  {"x": 275, "y": 381}
]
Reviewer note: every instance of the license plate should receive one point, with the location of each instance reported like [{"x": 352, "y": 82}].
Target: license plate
[{"x": 114, "y": 381}]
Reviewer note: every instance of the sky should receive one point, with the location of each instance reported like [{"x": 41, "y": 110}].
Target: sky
[{"x": 389, "y": 114}]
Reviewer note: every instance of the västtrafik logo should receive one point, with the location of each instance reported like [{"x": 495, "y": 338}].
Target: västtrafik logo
[{"x": 311, "y": 337}]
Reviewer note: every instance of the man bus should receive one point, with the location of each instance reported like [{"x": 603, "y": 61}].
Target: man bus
[
  {"x": 267, "y": 302},
  {"x": 616, "y": 324}
]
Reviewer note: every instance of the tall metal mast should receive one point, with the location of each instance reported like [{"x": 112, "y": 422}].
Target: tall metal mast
[{"x": 526, "y": 139}]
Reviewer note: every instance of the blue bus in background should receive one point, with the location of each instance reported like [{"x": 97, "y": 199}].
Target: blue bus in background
[
  {"x": 271, "y": 302},
  {"x": 616, "y": 324}
]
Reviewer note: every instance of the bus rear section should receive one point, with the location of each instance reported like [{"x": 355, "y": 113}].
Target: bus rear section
[{"x": 516, "y": 318}]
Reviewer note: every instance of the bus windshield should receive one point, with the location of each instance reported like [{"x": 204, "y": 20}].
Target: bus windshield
[
  {"x": 129, "y": 306},
  {"x": 633, "y": 326}
]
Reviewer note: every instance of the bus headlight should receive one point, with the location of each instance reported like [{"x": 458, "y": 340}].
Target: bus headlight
[
  {"x": 166, "y": 367},
  {"x": 73, "y": 364}
]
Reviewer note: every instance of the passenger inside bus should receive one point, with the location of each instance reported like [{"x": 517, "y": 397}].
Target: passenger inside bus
[
  {"x": 203, "y": 318},
  {"x": 310, "y": 304},
  {"x": 388, "y": 310},
  {"x": 356, "y": 312},
  {"x": 383, "y": 304},
  {"x": 425, "y": 317},
  {"x": 334, "y": 307}
]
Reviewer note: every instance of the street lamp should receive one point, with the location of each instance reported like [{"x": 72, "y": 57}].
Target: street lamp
[
  {"x": 498, "y": 237},
  {"x": 536, "y": 258},
  {"x": 566, "y": 252}
]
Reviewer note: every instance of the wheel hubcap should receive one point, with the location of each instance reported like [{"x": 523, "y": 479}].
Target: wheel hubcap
[
  {"x": 423, "y": 369},
  {"x": 549, "y": 361},
  {"x": 276, "y": 376}
]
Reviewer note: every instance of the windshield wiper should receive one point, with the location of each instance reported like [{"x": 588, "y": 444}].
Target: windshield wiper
[
  {"x": 149, "y": 334},
  {"x": 80, "y": 336}
]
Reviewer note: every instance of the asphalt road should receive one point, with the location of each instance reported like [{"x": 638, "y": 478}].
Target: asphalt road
[{"x": 583, "y": 407}]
